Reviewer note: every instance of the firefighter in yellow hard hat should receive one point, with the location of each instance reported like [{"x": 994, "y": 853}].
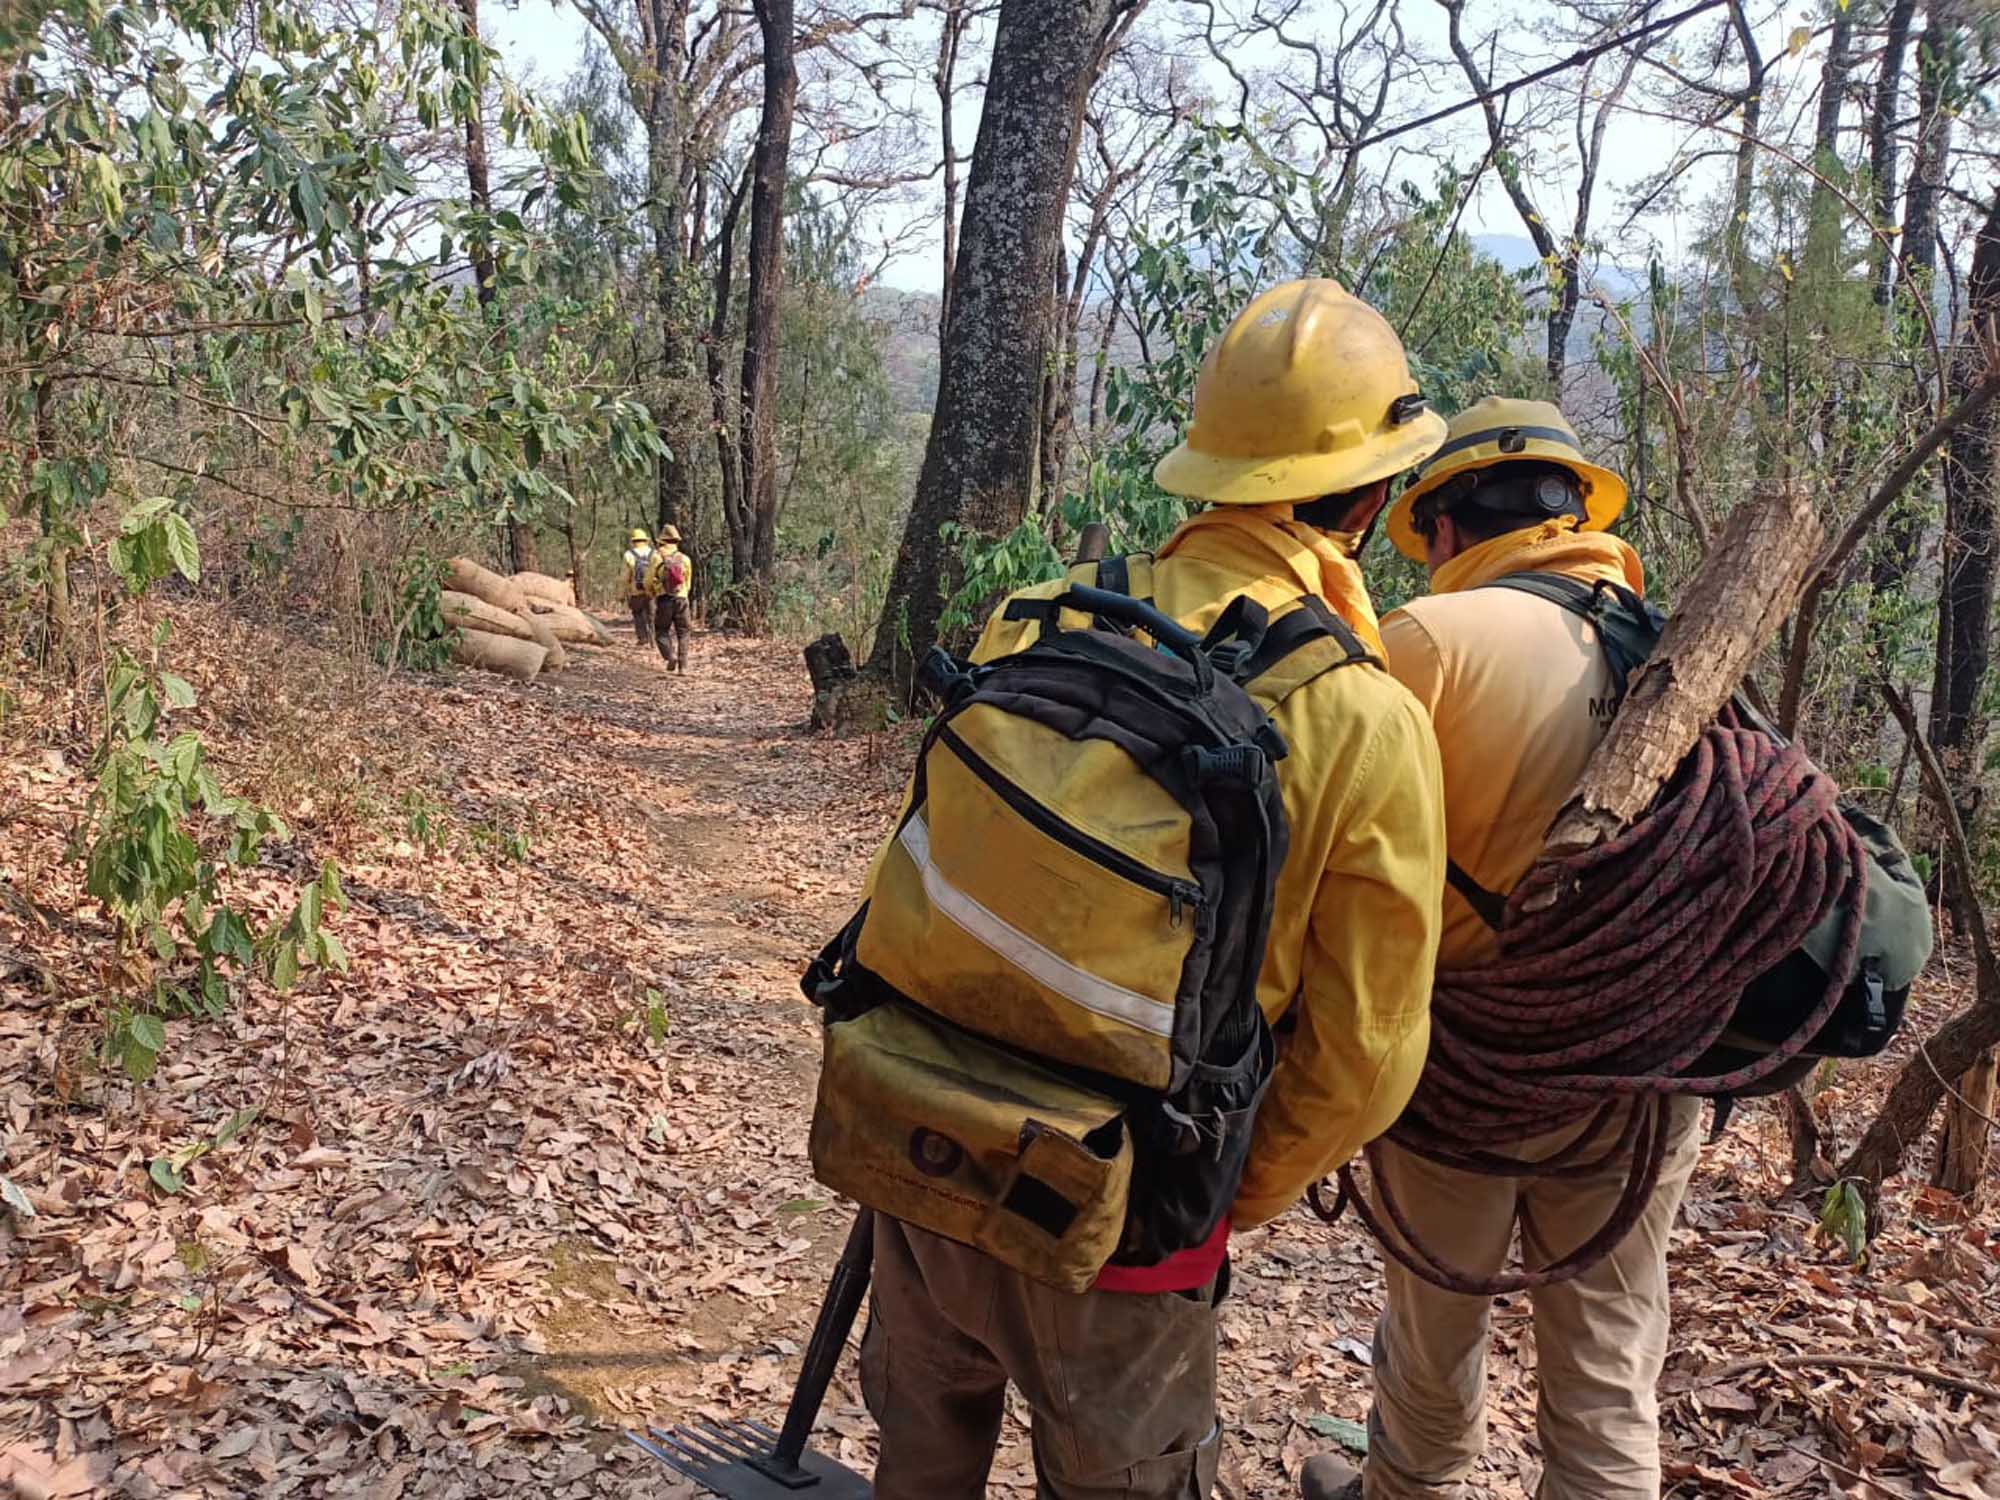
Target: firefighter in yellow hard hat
[
  {"x": 1510, "y": 516},
  {"x": 1303, "y": 413},
  {"x": 640, "y": 587}
]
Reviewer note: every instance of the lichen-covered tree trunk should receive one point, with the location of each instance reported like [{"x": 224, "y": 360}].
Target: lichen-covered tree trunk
[
  {"x": 981, "y": 461},
  {"x": 772, "y": 162}
]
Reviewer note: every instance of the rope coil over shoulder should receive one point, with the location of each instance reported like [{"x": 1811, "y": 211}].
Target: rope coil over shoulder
[{"x": 1602, "y": 997}]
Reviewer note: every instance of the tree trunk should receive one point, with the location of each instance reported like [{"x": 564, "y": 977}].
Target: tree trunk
[
  {"x": 980, "y": 462},
  {"x": 1919, "y": 240},
  {"x": 664, "y": 114},
  {"x": 1965, "y": 1144},
  {"x": 736, "y": 524},
  {"x": 1058, "y": 390},
  {"x": 1824, "y": 209},
  {"x": 59, "y": 644},
  {"x": 1965, "y": 592},
  {"x": 1100, "y": 371},
  {"x": 1882, "y": 144},
  {"x": 767, "y": 278},
  {"x": 520, "y": 537},
  {"x": 951, "y": 36},
  {"x": 478, "y": 180},
  {"x": 1507, "y": 165},
  {"x": 569, "y": 541},
  {"x": 1950, "y": 1053},
  {"x": 1953, "y": 1050},
  {"x": 1743, "y": 183}
]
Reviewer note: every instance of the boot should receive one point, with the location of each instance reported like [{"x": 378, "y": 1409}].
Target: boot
[{"x": 1328, "y": 1476}]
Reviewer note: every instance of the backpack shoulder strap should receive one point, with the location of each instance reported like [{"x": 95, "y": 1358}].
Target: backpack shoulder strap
[
  {"x": 1488, "y": 906},
  {"x": 1307, "y": 641},
  {"x": 1627, "y": 627},
  {"x": 1130, "y": 574}
]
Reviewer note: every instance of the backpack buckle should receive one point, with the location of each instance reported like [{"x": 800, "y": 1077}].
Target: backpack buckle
[
  {"x": 1238, "y": 763},
  {"x": 1230, "y": 658}
]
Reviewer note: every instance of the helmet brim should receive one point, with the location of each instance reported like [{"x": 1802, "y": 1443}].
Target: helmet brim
[
  {"x": 1604, "y": 496},
  {"x": 1272, "y": 481}
]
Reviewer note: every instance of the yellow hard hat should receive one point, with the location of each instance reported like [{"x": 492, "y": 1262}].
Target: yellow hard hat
[
  {"x": 639, "y": 535},
  {"x": 670, "y": 533},
  {"x": 1497, "y": 430},
  {"x": 1307, "y": 393}
]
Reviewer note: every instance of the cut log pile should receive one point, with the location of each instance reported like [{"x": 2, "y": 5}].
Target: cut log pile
[{"x": 518, "y": 626}]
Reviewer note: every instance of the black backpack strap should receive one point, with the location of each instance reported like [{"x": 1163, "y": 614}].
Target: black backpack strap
[
  {"x": 1585, "y": 601},
  {"x": 1232, "y": 641},
  {"x": 1313, "y": 620},
  {"x": 1627, "y": 626},
  {"x": 1488, "y": 906},
  {"x": 1114, "y": 575},
  {"x": 1573, "y": 594}
]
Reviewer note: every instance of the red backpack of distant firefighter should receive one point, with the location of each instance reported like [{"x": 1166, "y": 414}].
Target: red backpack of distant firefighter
[{"x": 673, "y": 573}]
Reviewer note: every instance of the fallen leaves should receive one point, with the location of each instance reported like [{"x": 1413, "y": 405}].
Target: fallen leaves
[{"x": 535, "y": 1169}]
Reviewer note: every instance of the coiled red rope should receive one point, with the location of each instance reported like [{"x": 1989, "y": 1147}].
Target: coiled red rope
[{"x": 1604, "y": 994}]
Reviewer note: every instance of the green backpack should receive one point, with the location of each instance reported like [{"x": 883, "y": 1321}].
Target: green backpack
[{"x": 1896, "y": 931}]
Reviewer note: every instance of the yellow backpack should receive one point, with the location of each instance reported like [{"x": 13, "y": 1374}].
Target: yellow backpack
[{"x": 1042, "y": 1031}]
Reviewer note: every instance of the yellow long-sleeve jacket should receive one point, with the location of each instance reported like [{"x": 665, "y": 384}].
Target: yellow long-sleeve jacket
[
  {"x": 657, "y": 582},
  {"x": 1355, "y": 922},
  {"x": 1519, "y": 693},
  {"x": 639, "y": 568}
]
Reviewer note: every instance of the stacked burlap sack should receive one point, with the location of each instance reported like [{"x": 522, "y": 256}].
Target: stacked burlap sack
[{"x": 517, "y": 626}]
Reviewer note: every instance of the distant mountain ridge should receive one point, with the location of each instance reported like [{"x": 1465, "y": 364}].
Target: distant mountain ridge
[{"x": 910, "y": 321}]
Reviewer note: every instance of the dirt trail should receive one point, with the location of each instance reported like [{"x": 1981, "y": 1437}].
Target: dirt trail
[
  {"x": 535, "y": 1169},
  {"x": 759, "y": 834}
]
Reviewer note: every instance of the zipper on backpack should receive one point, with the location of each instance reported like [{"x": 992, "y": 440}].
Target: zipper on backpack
[{"x": 1181, "y": 895}]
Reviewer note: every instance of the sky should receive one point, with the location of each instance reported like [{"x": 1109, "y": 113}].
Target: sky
[{"x": 543, "y": 41}]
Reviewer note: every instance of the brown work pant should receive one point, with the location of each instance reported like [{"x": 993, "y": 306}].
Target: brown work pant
[
  {"x": 1600, "y": 1338},
  {"x": 670, "y": 617},
  {"x": 1121, "y": 1388},
  {"x": 642, "y": 617}
]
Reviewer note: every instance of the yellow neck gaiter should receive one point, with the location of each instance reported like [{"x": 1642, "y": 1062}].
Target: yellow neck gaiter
[
  {"x": 1552, "y": 547},
  {"x": 1263, "y": 541}
]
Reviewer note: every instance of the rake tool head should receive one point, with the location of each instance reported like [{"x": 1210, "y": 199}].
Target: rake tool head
[{"x": 736, "y": 1460}]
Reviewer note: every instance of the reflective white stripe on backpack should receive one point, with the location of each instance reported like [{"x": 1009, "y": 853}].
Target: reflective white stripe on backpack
[{"x": 1045, "y": 966}]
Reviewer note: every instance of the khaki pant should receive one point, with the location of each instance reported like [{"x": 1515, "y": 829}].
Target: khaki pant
[
  {"x": 642, "y": 616},
  {"x": 670, "y": 616},
  {"x": 1600, "y": 1338},
  {"x": 1121, "y": 1388}
]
